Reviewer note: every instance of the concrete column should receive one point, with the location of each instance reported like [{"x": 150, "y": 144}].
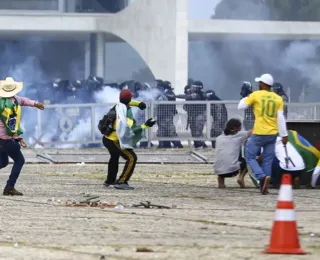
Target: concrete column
[
  {"x": 100, "y": 55},
  {"x": 159, "y": 34},
  {"x": 87, "y": 59},
  {"x": 96, "y": 56},
  {"x": 62, "y": 6}
]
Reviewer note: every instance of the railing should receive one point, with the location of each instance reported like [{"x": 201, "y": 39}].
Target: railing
[{"x": 75, "y": 125}]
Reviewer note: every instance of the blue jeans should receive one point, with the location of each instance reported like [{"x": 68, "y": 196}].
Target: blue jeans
[
  {"x": 253, "y": 148},
  {"x": 11, "y": 148}
]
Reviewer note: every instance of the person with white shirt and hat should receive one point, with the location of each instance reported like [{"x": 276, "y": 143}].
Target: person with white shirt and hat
[{"x": 10, "y": 131}]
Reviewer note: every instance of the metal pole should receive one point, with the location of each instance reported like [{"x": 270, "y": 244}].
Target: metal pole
[
  {"x": 39, "y": 124},
  {"x": 208, "y": 128},
  {"x": 93, "y": 124},
  {"x": 149, "y": 114}
]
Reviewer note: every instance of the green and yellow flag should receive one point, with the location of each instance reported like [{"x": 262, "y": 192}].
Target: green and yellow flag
[
  {"x": 309, "y": 153},
  {"x": 10, "y": 115}
]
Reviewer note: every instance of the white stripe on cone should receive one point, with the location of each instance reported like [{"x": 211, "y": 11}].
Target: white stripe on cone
[
  {"x": 285, "y": 193},
  {"x": 285, "y": 215}
]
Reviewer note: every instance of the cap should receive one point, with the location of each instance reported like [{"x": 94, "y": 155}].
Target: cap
[
  {"x": 125, "y": 94},
  {"x": 266, "y": 79}
]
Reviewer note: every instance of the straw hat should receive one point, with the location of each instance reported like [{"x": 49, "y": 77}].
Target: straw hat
[{"x": 9, "y": 87}]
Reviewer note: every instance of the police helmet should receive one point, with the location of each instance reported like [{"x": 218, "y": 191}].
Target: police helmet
[
  {"x": 278, "y": 88},
  {"x": 187, "y": 89},
  {"x": 246, "y": 89},
  {"x": 167, "y": 84},
  {"x": 197, "y": 84}
]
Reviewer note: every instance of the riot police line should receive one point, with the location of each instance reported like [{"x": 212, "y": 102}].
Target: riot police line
[{"x": 191, "y": 112}]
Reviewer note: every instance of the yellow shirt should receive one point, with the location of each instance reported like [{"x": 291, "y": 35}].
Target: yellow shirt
[
  {"x": 113, "y": 136},
  {"x": 266, "y": 105}
]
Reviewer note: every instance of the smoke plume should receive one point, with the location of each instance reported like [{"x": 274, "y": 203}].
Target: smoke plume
[{"x": 223, "y": 64}]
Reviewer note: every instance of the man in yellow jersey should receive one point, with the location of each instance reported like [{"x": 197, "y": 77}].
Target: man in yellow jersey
[
  {"x": 122, "y": 140},
  {"x": 269, "y": 122}
]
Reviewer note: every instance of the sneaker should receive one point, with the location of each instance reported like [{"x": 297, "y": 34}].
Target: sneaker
[
  {"x": 123, "y": 186},
  {"x": 108, "y": 184},
  {"x": 11, "y": 192},
  {"x": 264, "y": 185}
]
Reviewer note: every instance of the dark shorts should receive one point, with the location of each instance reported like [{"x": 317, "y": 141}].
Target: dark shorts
[{"x": 243, "y": 165}]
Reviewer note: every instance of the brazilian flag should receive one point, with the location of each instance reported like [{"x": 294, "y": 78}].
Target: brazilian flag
[{"x": 309, "y": 153}]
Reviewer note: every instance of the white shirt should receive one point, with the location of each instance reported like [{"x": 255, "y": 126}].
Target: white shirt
[{"x": 292, "y": 154}]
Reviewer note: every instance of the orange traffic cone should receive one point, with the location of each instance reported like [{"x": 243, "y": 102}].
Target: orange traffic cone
[{"x": 284, "y": 237}]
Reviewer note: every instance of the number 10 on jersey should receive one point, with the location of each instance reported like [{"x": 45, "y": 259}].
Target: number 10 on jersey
[{"x": 268, "y": 108}]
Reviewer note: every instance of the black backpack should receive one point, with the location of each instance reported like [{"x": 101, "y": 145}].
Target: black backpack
[{"x": 106, "y": 123}]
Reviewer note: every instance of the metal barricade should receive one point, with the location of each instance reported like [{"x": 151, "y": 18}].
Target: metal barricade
[{"x": 75, "y": 125}]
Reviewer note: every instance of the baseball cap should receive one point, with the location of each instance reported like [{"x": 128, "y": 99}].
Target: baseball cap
[
  {"x": 266, "y": 79},
  {"x": 125, "y": 94}
]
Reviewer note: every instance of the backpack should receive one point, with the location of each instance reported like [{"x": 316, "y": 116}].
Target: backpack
[{"x": 106, "y": 123}]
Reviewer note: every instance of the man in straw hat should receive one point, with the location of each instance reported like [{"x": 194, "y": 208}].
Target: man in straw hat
[{"x": 10, "y": 131}]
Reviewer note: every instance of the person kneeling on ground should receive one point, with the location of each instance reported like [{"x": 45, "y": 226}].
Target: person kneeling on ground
[
  {"x": 10, "y": 131},
  {"x": 122, "y": 141},
  {"x": 228, "y": 159}
]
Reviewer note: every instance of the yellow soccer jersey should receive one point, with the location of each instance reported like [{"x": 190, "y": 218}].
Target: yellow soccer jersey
[{"x": 266, "y": 105}]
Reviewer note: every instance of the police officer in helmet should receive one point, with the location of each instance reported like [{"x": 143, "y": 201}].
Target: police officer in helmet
[
  {"x": 278, "y": 89},
  {"x": 196, "y": 112},
  {"x": 165, "y": 115},
  {"x": 248, "y": 121},
  {"x": 219, "y": 115}
]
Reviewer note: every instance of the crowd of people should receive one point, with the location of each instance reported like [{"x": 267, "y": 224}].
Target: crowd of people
[
  {"x": 265, "y": 112},
  {"x": 269, "y": 148}
]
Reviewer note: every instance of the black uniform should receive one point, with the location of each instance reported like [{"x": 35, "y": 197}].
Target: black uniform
[
  {"x": 143, "y": 93},
  {"x": 196, "y": 112},
  {"x": 165, "y": 116},
  {"x": 249, "y": 118},
  {"x": 278, "y": 89},
  {"x": 219, "y": 115}
]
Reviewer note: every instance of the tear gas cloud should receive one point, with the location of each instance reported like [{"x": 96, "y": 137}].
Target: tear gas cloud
[
  {"x": 222, "y": 65},
  {"x": 24, "y": 62},
  {"x": 225, "y": 63}
]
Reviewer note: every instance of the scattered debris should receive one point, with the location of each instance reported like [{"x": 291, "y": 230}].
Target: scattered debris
[
  {"x": 144, "y": 250},
  {"x": 149, "y": 205},
  {"x": 88, "y": 200}
]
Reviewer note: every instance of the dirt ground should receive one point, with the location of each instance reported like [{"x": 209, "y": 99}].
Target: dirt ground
[{"x": 204, "y": 223}]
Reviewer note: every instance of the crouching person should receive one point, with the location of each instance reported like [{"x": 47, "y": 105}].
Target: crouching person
[
  {"x": 228, "y": 159},
  {"x": 10, "y": 131},
  {"x": 122, "y": 140}
]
